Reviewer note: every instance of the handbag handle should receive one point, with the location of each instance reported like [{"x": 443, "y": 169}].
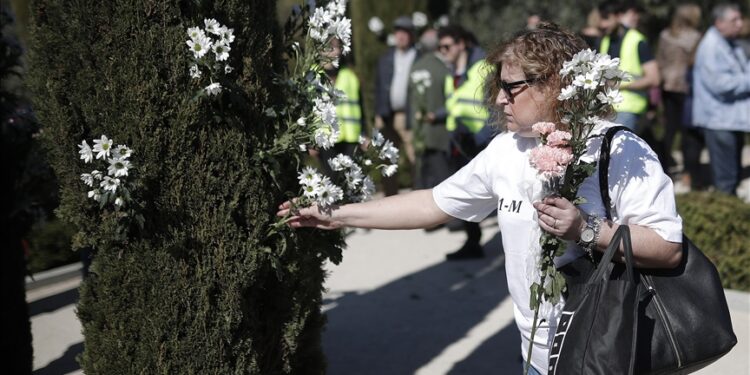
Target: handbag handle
[
  {"x": 622, "y": 235},
  {"x": 604, "y": 269}
]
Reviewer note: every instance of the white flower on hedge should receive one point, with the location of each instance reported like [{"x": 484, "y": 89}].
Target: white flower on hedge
[
  {"x": 118, "y": 167},
  {"x": 367, "y": 162},
  {"x": 110, "y": 184},
  {"x": 375, "y": 25},
  {"x": 389, "y": 170},
  {"x": 213, "y": 89},
  {"x": 85, "y": 151},
  {"x": 87, "y": 179},
  {"x": 195, "y": 33},
  {"x": 419, "y": 19},
  {"x": 199, "y": 46},
  {"x": 195, "y": 72},
  {"x": 325, "y": 110},
  {"x": 302, "y": 147},
  {"x": 228, "y": 69},
  {"x": 119, "y": 202},
  {"x": 342, "y": 29},
  {"x": 226, "y": 35},
  {"x": 95, "y": 195},
  {"x": 329, "y": 193},
  {"x": 389, "y": 152},
  {"x": 340, "y": 162},
  {"x": 337, "y": 7},
  {"x": 221, "y": 51},
  {"x": 97, "y": 175},
  {"x": 212, "y": 26},
  {"x": 121, "y": 152},
  {"x": 102, "y": 147},
  {"x": 301, "y": 121}
]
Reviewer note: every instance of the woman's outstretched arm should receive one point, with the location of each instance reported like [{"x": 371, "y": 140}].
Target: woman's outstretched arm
[{"x": 416, "y": 209}]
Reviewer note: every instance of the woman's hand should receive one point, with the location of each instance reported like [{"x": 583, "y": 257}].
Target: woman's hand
[
  {"x": 308, "y": 217},
  {"x": 560, "y": 217}
]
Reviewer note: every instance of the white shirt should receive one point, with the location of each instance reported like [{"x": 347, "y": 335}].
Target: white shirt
[
  {"x": 400, "y": 84},
  {"x": 501, "y": 178}
]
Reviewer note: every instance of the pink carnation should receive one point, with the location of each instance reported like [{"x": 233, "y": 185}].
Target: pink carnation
[
  {"x": 558, "y": 138},
  {"x": 543, "y": 128},
  {"x": 550, "y": 161}
]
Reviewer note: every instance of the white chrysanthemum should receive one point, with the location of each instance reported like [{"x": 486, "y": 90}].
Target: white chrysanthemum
[
  {"x": 309, "y": 176},
  {"x": 212, "y": 26},
  {"x": 390, "y": 40},
  {"x": 302, "y": 147},
  {"x": 419, "y": 19},
  {"x": 367, "y": 162},
  {"x": 195, "y": 72},
  {"x": 97, "y": 175},
  {"x": 196, "y": 33},
  {"x": 377, "y": 138},
  {"x": 443, "y": 20},
  {"x": 102, "y": 147},
  {"x": 354, "y": 178},
  {"x": 310, "y": 191},
  {"x": 228, "y": 69},
  {"x": 118, "y": 167},
  {"x": 337, "y": 7},
  {"x": 389, "y": 170},
  {"x": 322, "y": 138},
  {"x": 328, "y": 194},
  {"x": 119, "y": 202},
  {"x": 226, "y": 35},
  {"x": 325, "y": 110},
  {"x": 221, "y": 51},
  {"x": 301, "y": 121},
  {"x": 87, "y": 179},
  {"x": 199, "y": 46},
  {"x": 605, "y": 63},
  {"x": 389, "y": 152},
  {"x": 567, "y": 93},
  {"x": 340, "y": 162},
  {"x": 121, "y": 152},
  {"x": 110, "y": 184},
  {"x": 610, "y": 96},
  {"x": 342, "y": 29},
  {"x": 213, "y": 89},
  {"x": 95, "y": 194},
  {"x": 368, "y": 188},
  {"x": 362, "y": 140},
  {"x": 375, "y": 25},
  {"x": 85, "y": 151}
]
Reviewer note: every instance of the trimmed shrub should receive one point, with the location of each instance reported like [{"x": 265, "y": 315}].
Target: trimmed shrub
[
  {"x": 49, "y": 245},
  {"x": 719, "y": 224},
  {"x": 204, "y": 286}
]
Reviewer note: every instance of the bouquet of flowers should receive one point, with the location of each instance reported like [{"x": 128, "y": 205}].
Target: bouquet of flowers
[
  {"x": 592, "y": 90},
  {"x": 310, "y": 110}
]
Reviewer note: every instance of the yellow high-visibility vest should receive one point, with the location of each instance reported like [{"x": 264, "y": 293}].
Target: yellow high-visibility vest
[
  {"x": 466, "y": 104},
  {"x": 633, "y": 101},
  {"x": 348, "y": 109}
]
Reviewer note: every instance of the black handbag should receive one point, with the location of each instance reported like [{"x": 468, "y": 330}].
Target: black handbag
[{"x": 677, "y": 323}]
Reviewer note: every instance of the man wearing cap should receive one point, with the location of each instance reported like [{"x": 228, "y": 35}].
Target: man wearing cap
[{"x": 391, "y": 93}]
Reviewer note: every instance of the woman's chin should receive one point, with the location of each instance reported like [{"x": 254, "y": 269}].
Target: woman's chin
[{"x": 521, "y": 131}]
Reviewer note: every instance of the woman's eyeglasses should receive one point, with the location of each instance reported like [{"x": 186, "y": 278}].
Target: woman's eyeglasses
[{"x": 509, "y": 86}]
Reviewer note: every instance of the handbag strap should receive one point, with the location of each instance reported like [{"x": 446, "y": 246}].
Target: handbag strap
[
  {"x": 622, "y": 235},
  {"x": 604, "y": 153}
]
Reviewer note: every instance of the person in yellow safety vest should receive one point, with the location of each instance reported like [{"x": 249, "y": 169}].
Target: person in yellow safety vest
[
  {"x": 636, "y": 58},
  {"x": 465, "y": 113},
  {"x": 348, "y": 110}
]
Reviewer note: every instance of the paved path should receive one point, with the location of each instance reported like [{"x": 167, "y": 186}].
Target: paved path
[{"x": 394, "y": 307}]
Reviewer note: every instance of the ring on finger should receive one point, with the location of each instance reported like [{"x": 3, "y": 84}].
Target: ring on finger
[{"x": 554, "y": 225}]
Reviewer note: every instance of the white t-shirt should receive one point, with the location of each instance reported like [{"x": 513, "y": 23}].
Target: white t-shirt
[{"x": 501, "y": 178}]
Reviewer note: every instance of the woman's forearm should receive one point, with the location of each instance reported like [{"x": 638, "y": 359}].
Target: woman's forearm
[{"x": 412, "y": 210}]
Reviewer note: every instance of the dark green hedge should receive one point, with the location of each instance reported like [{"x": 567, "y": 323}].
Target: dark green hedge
[
  {"x": 719, "y": 225},
  {"x": 202, "y": 288}
]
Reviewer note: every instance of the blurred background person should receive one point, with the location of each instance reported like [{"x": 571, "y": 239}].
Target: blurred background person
[
  {"x": 391, "y": 96},
  {"x": 721, "y": 89},
  {"x": 636, "y": 58},
  {"x": 591, "y": 33},
  {"x": 465, "y": 113},
  {"x": 675, "y": 54},
  {"x": 430, "y": 138}
]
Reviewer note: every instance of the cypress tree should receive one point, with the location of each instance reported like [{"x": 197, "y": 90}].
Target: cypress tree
[{"x": 203, "y": 285}]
